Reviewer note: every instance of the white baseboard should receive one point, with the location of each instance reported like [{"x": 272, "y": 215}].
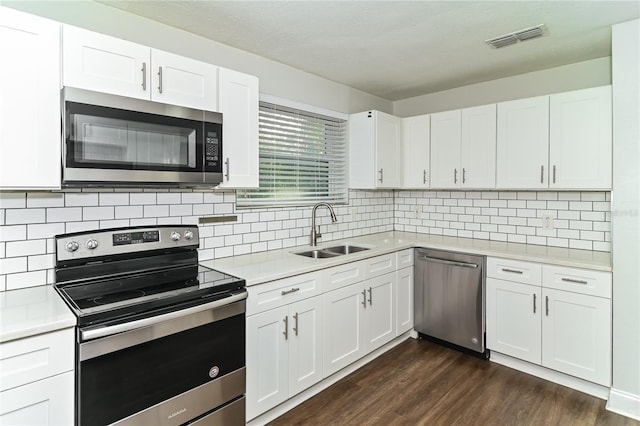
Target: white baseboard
[
  {"x": 624, "y": 403},
  {"x": 584, "y": 386},
  {"x": 325, "y": 383}
]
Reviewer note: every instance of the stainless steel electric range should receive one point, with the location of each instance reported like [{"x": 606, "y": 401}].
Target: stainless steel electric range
[{"x": 160, "y": 339}]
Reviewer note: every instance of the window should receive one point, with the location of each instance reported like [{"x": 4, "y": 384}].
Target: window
[{"x": 303, "y": 159}]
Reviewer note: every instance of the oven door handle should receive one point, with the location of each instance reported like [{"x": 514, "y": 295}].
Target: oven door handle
[{"x": 145, "y": 322}]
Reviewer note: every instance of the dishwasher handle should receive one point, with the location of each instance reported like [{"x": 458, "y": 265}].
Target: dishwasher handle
[{"x": 448, "y": 262}]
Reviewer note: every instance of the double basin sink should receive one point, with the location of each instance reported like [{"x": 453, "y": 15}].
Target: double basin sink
[{"x": 330, "y": 252}]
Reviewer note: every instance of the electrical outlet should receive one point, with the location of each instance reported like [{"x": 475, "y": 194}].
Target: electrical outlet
[
  {"x": 547, "y": 221},
  {"x": 416, "y": 211}
]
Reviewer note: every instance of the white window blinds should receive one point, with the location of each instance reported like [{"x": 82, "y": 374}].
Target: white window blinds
[{"x": 303, "y": 159}]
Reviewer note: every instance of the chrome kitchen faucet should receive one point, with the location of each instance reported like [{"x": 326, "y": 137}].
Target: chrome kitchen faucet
[{"x": 316, "y": 234}]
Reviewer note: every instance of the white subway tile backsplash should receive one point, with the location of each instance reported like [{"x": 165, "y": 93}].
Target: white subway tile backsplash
[
  {"x": 97, "y": 213},
  {"x": 45, "y": 199},
  {"x": 26, "y": 248},
  {"x": 13, "y": 233},
  {"x": 13, "y": 200},
  {"x": 144, "y": 198},
  {"x": 24, "y": 216},
  {"x": 26, "y": 279},
  {"x": 81, "y": 199},
  {"x": 514, "y": 216},
  {"x": 45, "y": 230},
  {"x": 64, "y": 214},
  {"x": 113, "y": 199},
  {"x": 156, "y": 211},
  {"x": 129, "y": 212},
  {"x": 11, "y": 265},
  {"x": 43, "y": 261}
]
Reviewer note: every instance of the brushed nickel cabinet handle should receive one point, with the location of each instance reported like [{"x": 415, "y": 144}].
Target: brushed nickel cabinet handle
[
  {"x": 513, "y": 271},
  {"x": 144, "y": 76},
  {"x": 364, "y": 298},
  {"x": 455, "y": 175},
  {"x": 160, "y": 79},
  {"x": 295, "y": 326},
  {"x": 554, "y": 174},
  {"x": 293, "y": 290},
  {"x": 381, "y": 178},
  {"x": 541, "y": 174},
  {"x": 464, "y": 175},
  {"x": 286, "y": 327},
  {"x": 228, "y": 167},
  {"x": 370, "y": 296},
  {"x": 424, "y": 176},
  {"x": 547, "y": 305},
  {"x": 571, "y": 280},
  {"x": 534, "y": 303}
]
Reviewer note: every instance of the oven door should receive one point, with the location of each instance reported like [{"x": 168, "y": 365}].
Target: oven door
[
  {"x": 119, "y": 140},
  {"x": 174, "y": 369}
]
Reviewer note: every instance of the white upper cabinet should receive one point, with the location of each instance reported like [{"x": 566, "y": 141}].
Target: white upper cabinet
[
  {"x": 415, "y": 151},
  {"x": 29, "y": 101},
  {"x": 98, "y": 62},
  {"x": 374, "y": 150},
  {"x": 580, "y": 142},
  {"x": 478, "y": 149},
  {"x": 523, "y": 143},
  {"x": 101, "y": 63},
  {"x": 238, "y": 103},
  {"x": 463, "y": 146},
  {"x": 183, "y": 81},
  {"x": 445, "y": 148}
]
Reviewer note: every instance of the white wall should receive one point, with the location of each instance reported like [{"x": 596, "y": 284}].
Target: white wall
[
  {"x": 625, "y": 396},
  {"x": 275, "y": 78},
  {"x": 581, "y": 75}
]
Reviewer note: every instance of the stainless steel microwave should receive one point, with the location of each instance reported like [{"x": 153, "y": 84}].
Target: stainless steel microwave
[{"x": 113, "y": 140}]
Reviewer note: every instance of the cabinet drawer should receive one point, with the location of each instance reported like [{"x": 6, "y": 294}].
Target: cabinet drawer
[
  {"x": 35, "y": 358},
  {"x": 379, "y": 265},
  {"x": 584, "y": 281},
  {"x": 270, "y": 295},
  {"x": 404, "y": 258},
  {"x": 514, "y": 270},
  {"x": 343, "y": 275}
]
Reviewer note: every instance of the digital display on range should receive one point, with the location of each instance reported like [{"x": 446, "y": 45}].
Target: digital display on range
[{"x": 135, "y": 238}]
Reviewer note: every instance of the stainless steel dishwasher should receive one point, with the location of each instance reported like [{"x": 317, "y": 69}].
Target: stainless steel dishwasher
[{"x": 449, "y": 299}]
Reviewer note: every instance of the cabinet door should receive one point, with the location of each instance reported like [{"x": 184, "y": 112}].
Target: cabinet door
[
  {"x": 404, "y": 300},
  {"x": 445, "y": 149},
  {"x": 523, "y": 143},
  {"x": 29, "y": 101},
  {"x": 238, "y": 103},
  {"x": 415, "y": 151},
  {"x": 388, "y": 137},
  {"x": 344, "y": 340},
  {"x": 580, "y": 139},
  {"x": 478, "y": 147},
  {"x": 45, "y": 402},
  {"x": 267, "y": 360},
  {"x": 576, "y": 331},
  {"x": 106, "y": 64},
  {"x": 380, "y": 318},
  {"x": 513, "y": 319},
  {"x": 305, "y": 344},
  {"x": 183, "y": 81}
]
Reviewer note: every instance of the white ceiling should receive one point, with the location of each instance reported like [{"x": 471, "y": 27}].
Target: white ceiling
[{"x": 400, "y": 49}]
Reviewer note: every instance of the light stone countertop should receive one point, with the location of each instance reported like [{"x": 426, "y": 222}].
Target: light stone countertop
[
  {"x": 267, "y": 266},
  {"x": 30, "y": 311}
]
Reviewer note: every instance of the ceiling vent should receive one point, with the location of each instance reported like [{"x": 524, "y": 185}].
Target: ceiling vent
[{"x": 516, "y": 36}]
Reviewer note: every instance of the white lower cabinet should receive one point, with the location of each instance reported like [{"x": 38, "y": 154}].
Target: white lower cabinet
[
  {"x": 37, "y": 380},
  {"x": 513, "y": 319},
  {"x": 562, "y": 321},
  {"x": 284, "y": 353},
  {"x": 404, "y": 300},
  {"x": 576, "y": 335}
]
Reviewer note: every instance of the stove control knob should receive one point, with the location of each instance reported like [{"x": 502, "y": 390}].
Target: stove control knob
[
  {"x": 188, "y": 235},
  {"x": 92, "y": 244},
  {"x": 175, "y": 236},
  {"x": 72, "y": 246}
]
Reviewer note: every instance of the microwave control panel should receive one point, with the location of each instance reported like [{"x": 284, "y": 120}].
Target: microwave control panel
[{"x": 212, "y": 150}]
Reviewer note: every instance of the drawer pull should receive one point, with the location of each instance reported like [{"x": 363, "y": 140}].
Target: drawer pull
[
  {"x": 513, "y": 271},
  {"x": 571, "y": 280},
  {"x": 293, "y": 290}
]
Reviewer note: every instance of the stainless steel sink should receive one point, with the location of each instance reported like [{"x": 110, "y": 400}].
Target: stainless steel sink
[
  {"x": 345, "y": 249},
  {"x": 332, "y": 251},
  {"x": 318, "y": 254}
]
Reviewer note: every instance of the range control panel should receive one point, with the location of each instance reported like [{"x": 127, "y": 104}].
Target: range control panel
[{"x": 124, "y": 240}]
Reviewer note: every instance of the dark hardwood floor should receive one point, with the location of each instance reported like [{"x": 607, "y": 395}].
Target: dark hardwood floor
[{"x": 421, "y": 383}]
